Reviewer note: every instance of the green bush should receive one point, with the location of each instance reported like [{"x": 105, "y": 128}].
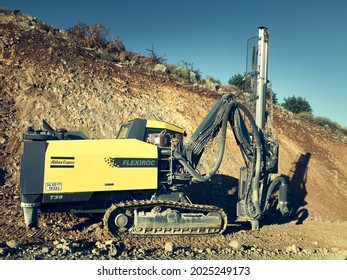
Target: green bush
[
  {"x": 297, "y": 104},
  {"x": 213, "y": 80},
  {"x": 241, "y": 82},
  {"x": 274, "y": 96}
]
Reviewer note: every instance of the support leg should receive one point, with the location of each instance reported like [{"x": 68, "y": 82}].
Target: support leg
[
  {"x": 255, "y": 224},
  {"x": 30, "y": 214}
]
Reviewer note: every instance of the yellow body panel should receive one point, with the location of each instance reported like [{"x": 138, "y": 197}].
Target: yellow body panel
[
  {"x": 163, "y": 125},
  {"x": 90, "y": 166}
]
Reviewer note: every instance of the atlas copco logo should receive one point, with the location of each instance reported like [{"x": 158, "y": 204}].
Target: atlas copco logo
[
  {"x": 132, "y": 162},
  {"x": 62, "y": 162}
]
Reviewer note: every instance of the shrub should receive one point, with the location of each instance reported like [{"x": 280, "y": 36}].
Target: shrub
[
  {"x": 154, "y": 58},
  {"x": 241, "y": 82},
  {"x": 297, "y": 104},
  {"x": 324, "y": 122},
  {"x": 274, "y": 96},
  {"x": 188, "y": 72},
  {"x": 98, "y": 34},
  {"x": 334, "y": 126},
  {"x": 213, "y": 80},
  {"x": 94, "y": 36},
  {"x": 78, "y": 33},
  {"x": 115, "y": 46}
]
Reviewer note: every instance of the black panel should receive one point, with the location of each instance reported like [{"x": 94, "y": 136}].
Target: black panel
[
  {"x": 67, "y": 197},
  {"x": 31, "y": 198},
  {"x": 89, "y": 201},
  {"x": 137, "y": 129},
  {"x": 75, "y": 135},
  {"x": 132, "y": 162},
  {"x": 32, "y": 167}
]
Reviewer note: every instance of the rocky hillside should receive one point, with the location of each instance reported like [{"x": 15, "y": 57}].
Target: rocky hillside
[{"x": 43, "y": 75}]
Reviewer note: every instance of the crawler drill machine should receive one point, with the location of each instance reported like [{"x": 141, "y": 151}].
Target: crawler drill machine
[{"x": 139, "y": 179}]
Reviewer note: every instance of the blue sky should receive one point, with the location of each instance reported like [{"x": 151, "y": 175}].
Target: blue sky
[{"x": 307, "y": 44}]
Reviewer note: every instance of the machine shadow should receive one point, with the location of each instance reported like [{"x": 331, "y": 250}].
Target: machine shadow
[
  {"x": 298, "y": 190},
  {"x": 220, "y": 191}
]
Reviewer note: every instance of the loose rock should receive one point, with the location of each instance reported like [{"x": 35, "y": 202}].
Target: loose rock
[
  {"x": 13, "y": 244},
  {"x": 234, "y": 244},
  {"x": 169, "y": 247}
]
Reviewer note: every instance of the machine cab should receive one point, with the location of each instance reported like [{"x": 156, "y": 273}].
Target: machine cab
[{"x": 154, "y": 132}]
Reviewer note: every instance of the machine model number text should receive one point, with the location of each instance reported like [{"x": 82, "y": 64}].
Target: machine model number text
[{"x": 56, "y": 197}]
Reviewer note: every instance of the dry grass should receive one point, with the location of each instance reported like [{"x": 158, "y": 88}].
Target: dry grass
[{"x": 324, "y": 122}]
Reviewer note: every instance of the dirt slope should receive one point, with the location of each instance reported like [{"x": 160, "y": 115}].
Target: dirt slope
[{"x": 44, "y": 76}]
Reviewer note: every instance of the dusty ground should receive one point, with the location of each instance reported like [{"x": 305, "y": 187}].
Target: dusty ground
[{"x": 42, "y": 75}]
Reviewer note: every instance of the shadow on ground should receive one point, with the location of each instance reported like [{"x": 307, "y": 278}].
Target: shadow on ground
[{"x": 222, "y": 191}]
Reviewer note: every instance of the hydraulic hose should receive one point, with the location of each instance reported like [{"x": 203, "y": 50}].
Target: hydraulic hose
[
  {"x": 258, "y": 146},
  {"x": 282, "y": 197},
  {"x": 203, "y": 178},
  {"x": 258, "y": 150}
]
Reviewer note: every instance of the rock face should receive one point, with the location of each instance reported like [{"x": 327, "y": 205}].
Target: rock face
[{"x": 45, "y": 76}]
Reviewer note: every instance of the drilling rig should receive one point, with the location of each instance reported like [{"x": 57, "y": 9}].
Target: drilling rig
[{"x": 139, "y": 179}]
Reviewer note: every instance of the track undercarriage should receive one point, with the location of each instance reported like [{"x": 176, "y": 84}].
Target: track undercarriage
[{"x": 154, "y": 217}]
